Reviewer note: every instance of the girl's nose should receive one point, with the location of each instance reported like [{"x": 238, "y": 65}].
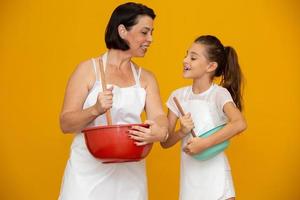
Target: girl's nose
[{"x": 185, "y": 61}]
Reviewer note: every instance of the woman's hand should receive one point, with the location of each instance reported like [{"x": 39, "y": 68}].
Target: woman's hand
[
  {"x": 144, "y": 135},
  {"x": 196, "y": 145},
  {"x": 186, "y": 124},
  {"x": 104, "y": 101}
]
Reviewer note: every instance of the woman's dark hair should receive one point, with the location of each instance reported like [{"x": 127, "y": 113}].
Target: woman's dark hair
[
  {"x": 126, "y": 14},
  {"x": 228, "y": 66}
]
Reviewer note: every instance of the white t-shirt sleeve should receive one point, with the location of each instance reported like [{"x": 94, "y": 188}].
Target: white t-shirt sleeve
[
  {"x": 171, "y": 104},
  {"x": 223, "y": 96}
]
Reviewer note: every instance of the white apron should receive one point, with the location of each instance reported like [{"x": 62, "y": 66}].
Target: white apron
[
  {"x": 203, "y": 180},
  {"x": 86, "y": 178}
]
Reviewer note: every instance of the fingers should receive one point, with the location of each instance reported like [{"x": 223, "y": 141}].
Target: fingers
[
  {"x": 187, "y": 117},
  {"x": 189, "y": 146},
  {"x": 141, "y": 132},
  {"x": 141, "y": 135},
  {"x": 136, "y": 137},
  {"x": 110, "y": 88},
  {"x": 105, "y": 103},
  {"x": 136, "y": 133},
  {"x": 186, "y": 149},
  {"x": 141, "y": 143},
  {"x": 105, "y": 99},
  {"x": 141, "y": 129},
  {"x": 107, "y": 92},
  {"x": 186, "y": 123},
  {"x": 189, "y": 141},
  {"x": 189, "y": 149}
]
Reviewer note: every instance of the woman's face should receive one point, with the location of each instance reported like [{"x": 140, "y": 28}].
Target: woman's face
[
  {"x": 195, "y": 64},
  {"x": 139, "y": 37}
]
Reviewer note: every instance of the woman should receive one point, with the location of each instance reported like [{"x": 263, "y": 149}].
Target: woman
[{"x": 128, "y": 34}]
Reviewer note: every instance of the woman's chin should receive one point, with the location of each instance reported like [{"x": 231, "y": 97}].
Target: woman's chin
[{"x": 139, "y": 54}]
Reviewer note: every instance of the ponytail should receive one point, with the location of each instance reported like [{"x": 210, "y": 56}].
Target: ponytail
[
  {"x": 232, "y": 77},
  {"x": 228, "y": 66}
]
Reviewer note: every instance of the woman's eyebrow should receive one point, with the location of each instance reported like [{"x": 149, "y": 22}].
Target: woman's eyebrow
[{"x": 148, "y": 28}]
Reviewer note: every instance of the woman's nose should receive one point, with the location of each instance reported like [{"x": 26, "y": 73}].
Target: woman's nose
[{"x": 150, "y": 38}]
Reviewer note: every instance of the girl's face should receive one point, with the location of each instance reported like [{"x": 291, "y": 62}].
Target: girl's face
[
  {"x": 195, "y": 64},
  {"x": 139, "y": 37}
]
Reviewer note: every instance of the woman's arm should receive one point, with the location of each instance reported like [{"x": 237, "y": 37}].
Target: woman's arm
[
  {"x": 173, "y": 137},
  {"x": 73, "y": 117},
  {"x": 236, "y": 124},
  {"x": 156, "y": 117}
]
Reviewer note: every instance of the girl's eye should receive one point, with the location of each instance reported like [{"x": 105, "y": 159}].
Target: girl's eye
[
  {"x": 193, "y": 58},
  {"x": 144, "y": 33}
]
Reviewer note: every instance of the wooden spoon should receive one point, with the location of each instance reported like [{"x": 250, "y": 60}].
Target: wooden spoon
[
  {"x": 104, "y": 87},
  {"x": 182, "y": 113}
]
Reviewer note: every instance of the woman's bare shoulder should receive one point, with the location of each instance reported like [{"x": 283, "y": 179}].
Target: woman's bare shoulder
[
  {"x": 84, "y": 73},
  {"x": 147, "y": 78},
  {"x": 84, "y": 66},
  {"x": 147, "y": 75}
]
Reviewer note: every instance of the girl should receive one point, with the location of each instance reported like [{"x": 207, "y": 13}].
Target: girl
[{"x": 210, "y": 105}]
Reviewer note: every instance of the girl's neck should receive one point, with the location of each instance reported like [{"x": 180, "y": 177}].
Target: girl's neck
[
  {"x": 201, "y": 85},
  {"x": 118, "y": 58}
]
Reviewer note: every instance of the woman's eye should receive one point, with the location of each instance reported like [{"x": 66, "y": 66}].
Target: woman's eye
[
  {"x": 192, "y": 58},
  {"x": 144, "y": 33}
]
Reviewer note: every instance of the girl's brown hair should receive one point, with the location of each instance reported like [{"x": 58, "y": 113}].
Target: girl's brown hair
[{"x": 228, "y": 66}]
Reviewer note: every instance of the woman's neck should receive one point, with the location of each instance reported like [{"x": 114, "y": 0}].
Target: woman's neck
[
  {"x": 201, "y": 85},
  {"x": 118, "y": 58}
]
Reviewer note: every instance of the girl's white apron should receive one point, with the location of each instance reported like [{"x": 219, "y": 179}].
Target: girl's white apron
[{"x": 202, "y": 180}]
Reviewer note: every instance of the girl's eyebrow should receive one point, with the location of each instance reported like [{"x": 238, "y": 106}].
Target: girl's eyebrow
[{"x": 194, "y": 53}]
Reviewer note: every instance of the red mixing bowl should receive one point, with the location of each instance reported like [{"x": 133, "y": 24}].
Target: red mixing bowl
[{"x": 112, "y": 144}]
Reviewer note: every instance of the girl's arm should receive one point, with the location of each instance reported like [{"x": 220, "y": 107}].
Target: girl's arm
[
  {"x": 186, "y": 124},
  {"x": 236, "y": 124}
]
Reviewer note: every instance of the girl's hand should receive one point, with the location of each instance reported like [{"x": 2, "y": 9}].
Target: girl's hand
[
  {"x": 186, "y": 124},
  {"x": 144, "y": 135},
  {"x": 104, "y": 101},
  {"x": 195, "y": 145}
]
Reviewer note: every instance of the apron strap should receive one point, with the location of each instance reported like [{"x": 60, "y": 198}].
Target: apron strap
[
  {"x": 186, "y": 93},
  {"x": 95, "y": 69},
  {"x": 136, "y": 75}
]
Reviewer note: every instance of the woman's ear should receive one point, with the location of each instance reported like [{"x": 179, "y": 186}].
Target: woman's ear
[
  {"x": 122, "y": 31},
  {"x": 212, "y": 66}
]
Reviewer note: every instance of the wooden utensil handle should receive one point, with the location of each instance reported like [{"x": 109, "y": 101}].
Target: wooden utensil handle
[
  {"x": 104, "y": 87},
  {"x": 182, "y": 113}
]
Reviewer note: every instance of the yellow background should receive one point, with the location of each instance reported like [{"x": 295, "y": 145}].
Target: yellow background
[{"x": 41, "y": 42}]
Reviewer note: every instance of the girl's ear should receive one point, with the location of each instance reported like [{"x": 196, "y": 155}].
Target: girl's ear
[
  {"x": 122, "y": 31},
  {"x": 212, "y": 66}
]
